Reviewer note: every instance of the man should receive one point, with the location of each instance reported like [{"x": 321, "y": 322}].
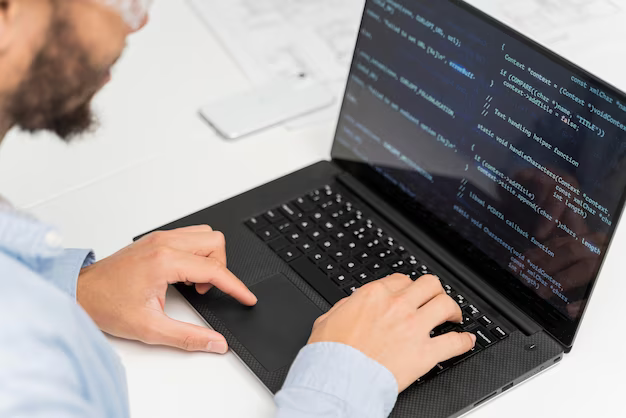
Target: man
[{"x": 54, "y": 361}]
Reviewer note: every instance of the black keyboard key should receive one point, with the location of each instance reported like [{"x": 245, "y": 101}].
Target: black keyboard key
[
  {"x": 274, "y": 216},
  {"x": 370, "y": 224},
  {"x": 342, "y": 278},
  {"x": 413, "y": 275},
  {"x": 327, "y": 245},
  {"x": 329, "y": 267},
  {"x": 383, "y": 254},
  {"x": 284, "y": 227},
  {"x": 375, "y": 243},
  {"x": 429, "y": 375},
  {"x": 287, "y": 230},
  {"x": 318, "y": 256},
  {"x": 484, "y": 320},
  {"x": 315, "y": 197},
  {"x": 350, "y": 246},
  {"x": 318, "y": 216},
  {"x": 339, "y": 235},
  {"x": 316, "y": 234},
  {"x": 305, "y": 204},
  {"x": 337, "y": 214},
  {"x": 295, "y": 237},
  {"x": 379, "y": 269},
  {"x": 403, "y": 270},
  {"x": 412, "y": 261},
  {"x": 439, "y": 368},
  {"x": 351, "y": 289},
  {"x": 305, "y": 224},
  {"x": 291, "y": 212},
  {"x": 306, "y": 246},
  {"x": 363, "y": 237},
  {"x": 363, "y": 276},
  {"x": 347, "y": 223},
  {"x": 327, "y": 204},
  {"x": 267, "y": 233},
  {"x": 472, "y": 310},
  {"x": 396, "y": 265},
  {"x": 329, "y": 226},
  {"x": 483, "y": 337},
  {"x": 339, "y": 255},
  {"x": 363, "y": 256},
  {"x": 256, "y": 223},
  {"x": 278, "y": 244},
  {"x": 318, "y": 280},
  {"x": 350, "y": 265},
  {"x": 500, "y": 333},
  {"x": 289, "y": 254},
  {"x": 444, "y": 328},
  {"x": 390, "y": 243},
  {"x": 461, "y": 300},
  {"x": 468, "y": 322},
  {"x": 424, "y": 269},
  {"x": 449, "y": 290},
  {"x": 401, "y": 251},
  {"x": 358, "y": 230},
  {"x": 442, "y": 367}
]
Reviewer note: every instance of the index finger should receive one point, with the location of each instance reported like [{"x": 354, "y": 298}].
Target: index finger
[
  {"x": 440, "y": 309},
  {"x": 423, "y": 290},
  {"x": 397, "y": 282},
  {"x": 197, "y": 269}
]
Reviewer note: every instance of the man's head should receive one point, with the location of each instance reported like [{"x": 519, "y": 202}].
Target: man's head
[{"x": 55, "y": 55}]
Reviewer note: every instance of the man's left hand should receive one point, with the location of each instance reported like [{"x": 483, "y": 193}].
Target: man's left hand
[{"x": 125, "y": 293}]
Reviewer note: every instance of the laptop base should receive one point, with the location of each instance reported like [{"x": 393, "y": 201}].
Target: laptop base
[{"x": 451, "y": 394}]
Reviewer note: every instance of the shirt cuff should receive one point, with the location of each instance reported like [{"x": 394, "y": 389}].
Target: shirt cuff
[
  {"x": 362, "y": 386},
  {"x": 63, "y": 271}
]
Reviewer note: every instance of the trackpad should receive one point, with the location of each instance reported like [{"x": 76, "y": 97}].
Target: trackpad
[{"x": 276, "y": 328}]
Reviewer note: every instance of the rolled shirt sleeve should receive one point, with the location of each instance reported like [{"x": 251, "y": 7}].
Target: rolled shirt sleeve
[
  {"x": 63, "y": 271},
  {"x": 332, "y": 380}
]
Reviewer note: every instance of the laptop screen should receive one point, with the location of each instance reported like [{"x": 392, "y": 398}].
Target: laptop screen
[{"x": 511, "y": 157}]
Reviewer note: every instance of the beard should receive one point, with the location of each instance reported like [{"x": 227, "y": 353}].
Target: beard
[{"x": 56, "y": 94}]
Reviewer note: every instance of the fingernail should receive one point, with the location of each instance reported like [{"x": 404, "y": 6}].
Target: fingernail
[
  {"x": 473, "y": 337},
  {"x": 219, "y": 347}
]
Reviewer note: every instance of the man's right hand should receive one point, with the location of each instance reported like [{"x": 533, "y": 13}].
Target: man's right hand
[{"x": 390, "y": 321}]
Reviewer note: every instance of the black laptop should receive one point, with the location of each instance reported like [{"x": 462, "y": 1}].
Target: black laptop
[{"x": 463, "y": 149}]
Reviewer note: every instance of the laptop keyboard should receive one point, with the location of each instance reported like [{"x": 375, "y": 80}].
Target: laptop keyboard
[{"x": 337, "y": 248}]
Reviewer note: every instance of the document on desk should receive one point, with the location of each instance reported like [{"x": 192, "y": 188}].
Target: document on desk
[
  {"x": 570, "y": 27},
  {"x": 272, "y": 39}
]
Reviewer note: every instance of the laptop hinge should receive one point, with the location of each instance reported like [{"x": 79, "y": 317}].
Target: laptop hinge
[{"x": 436, "y": 251}]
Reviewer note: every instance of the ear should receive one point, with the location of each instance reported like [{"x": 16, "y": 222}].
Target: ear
[{"x": 7, "y": 14}]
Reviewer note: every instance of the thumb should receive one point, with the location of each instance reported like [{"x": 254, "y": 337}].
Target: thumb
[
  {"x": 453, "y": 344},
  {"x": 170, "y": 332}
]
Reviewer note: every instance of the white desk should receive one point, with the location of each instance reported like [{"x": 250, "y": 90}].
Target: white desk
[{"x": 155, "y": 161}]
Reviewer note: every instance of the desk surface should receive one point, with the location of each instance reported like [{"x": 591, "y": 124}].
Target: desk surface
[{"x": 154, "y": 160}]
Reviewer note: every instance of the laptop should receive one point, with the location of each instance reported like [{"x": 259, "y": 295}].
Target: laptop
[{"x": 463, "y": 149}]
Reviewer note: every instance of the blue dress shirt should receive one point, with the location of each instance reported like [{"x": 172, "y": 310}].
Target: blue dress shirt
[{"x": 55, "y": 362}]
